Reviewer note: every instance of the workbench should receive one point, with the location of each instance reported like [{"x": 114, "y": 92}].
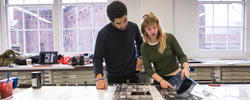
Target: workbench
[{"x": 222, "y": 92}]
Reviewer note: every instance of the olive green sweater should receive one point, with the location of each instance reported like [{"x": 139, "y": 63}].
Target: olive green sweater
[{"x": 163, "y": 63}]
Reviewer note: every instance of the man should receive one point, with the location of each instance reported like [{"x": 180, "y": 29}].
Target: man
[{"x": 115, "y": 44}]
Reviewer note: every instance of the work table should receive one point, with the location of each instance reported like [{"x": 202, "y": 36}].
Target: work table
[{"x": 222, "y": 92}]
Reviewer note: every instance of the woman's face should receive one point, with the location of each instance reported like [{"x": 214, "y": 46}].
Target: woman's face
[{"x": 152, "y": 31}]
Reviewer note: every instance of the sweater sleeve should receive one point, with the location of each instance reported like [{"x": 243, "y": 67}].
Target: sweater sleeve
[
  {"x": 146, "y": 62},
  {"x": 138, "y": 40},
  {"x": 177, "y": 49},
  {"x": 99, "y": 54}
]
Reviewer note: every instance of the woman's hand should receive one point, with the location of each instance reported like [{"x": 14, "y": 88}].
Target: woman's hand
[
  {"x": 185, "y": 72},
  {"x": 165, "y": 84}
]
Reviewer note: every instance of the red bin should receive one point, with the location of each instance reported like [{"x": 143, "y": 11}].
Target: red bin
[{"x": 6, "y": 88}]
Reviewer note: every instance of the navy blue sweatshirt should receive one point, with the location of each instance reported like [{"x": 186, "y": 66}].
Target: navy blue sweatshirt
[{"x": 118, "y": 48}]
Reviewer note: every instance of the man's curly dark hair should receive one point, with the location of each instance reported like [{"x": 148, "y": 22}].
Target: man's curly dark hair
[{"x": 116, "y": 9}]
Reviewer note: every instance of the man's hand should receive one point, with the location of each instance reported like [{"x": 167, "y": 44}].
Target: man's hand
[
  {"x": 139, "y": 65},
  {"x": 101, "y": 85}
]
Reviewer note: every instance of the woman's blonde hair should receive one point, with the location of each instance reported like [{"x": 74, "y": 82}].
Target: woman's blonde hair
[{"x": 148, "y": 20}]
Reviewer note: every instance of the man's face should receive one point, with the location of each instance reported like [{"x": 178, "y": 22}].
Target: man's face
[{"x": 121, "y": 23}]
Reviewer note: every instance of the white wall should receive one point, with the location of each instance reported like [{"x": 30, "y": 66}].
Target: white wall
[
  {"x": 248, "y": 31},
  {"x": 185, "y": 25},
  {"x": 161, "y": 8}
]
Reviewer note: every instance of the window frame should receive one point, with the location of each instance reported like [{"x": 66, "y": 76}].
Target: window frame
[
  {"x": 243, "y": 27},
  {"x": 24, "y": 29},
  {"x": 77, "y": 26},
  {"x": 57, "y": 25}
]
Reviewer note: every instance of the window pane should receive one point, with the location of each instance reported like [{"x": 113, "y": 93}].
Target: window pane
[
  {"x": 30, "y": 17},
  {"x": 220, "y": 38},
  {"x": 202, "y": 38},
  {"x": 15, "y": 18},
  {"x": 219, "y": 41},
  {"x": 79, "y": 35},
  {"x": 234, "y": 38},
  {"x": 234, "y": 0},
  {"x": 15, "y": 2},
  {"x": 32, "y": 45},
  {"x": 220, "y": 0},
  {"x": 100, "y": 18},
  {"x": 220, "y": 15},
  {"x": 45, "y": 17},
  {"x": 221, "y": 30},
  {"x": 206, "y": 15},
  {"x": 70, "y": 43},
  {"x": 69, "y": 1},
  {"x": 208, "y": 38},
  {"x": 235, "y": 15},
  {"x": 31, "y": 2},
  {"x": 69, "y": 16},
  {"x": 84, "y": 19},
  {"x": 17, "y": 40},
  {"x": 46, "y": 1},
  {"x": 85, "y": 41},
  {"x": 100, "y": 1},
  {"x": 46, "y": 41},
  {"x": 81, "y": 1}
]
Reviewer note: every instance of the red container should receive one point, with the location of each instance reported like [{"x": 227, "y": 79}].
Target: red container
[{"x": 6, "y": 88}]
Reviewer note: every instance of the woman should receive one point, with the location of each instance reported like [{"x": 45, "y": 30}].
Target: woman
[{"x": 161, "y": 50}]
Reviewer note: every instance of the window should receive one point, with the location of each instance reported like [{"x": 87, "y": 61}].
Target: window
[
  {"x": 30, "y": 24},
  {"x": 30, "y": 27},
  {"x": 221, "y": 25},
  {"x": 81, "y": 23}
]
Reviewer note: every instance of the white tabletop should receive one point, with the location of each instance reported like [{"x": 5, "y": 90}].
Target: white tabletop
[
  {"x": 222, "y": 92},
  {"x": 70, "y": 93}
]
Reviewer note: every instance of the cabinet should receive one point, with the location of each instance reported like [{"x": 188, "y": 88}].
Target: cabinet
[
  {"x": 24, "y": 77},
  {"x": 235, "y": 74},
  {"x": 54, "y": 76},
  {"x": 201, "y": 74},
  {"x": 72, "y": 76}
]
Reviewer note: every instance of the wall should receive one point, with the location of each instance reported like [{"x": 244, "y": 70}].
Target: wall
[
  {"x": 185, "y": 26},
  {"x": 164, "y": 11},
  {"x": 248, "y": 31}
]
